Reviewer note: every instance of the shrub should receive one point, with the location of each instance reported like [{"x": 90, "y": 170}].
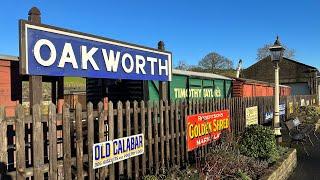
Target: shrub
[
  {"x": 225, "y": 162},
  {"x": 150, "y": 177},
  {"x": 309, "y": 114},
  {"x": 259, "y": 142}
]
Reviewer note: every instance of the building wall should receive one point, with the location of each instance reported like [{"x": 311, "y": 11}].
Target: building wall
[
  {"x": 9, "y": 97},
  {"x": 299, "y": 88},
  {"x": 290, "y": 72}
]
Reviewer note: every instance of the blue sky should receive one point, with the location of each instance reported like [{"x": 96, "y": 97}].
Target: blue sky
[{"x": 190, "y": 29}]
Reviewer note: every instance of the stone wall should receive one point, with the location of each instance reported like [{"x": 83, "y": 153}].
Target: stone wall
[{"x": 283, "y": 168}]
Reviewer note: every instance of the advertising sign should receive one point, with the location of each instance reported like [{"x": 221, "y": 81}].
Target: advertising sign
[
  {"x": 282, "y": 109},
  {"x": 110, "y": 152},
  {"x": 251, "y": 115},
  {"x": 290, "y": 107},
  {"x": 206, "y": 127},
  {"x": 268, "y": 117},
  {"x": 52, "y": 51}
]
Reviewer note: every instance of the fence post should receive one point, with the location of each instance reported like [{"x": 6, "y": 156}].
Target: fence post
[
  {"x": 90, "y": 121},
  {"x": 20, "y": 143},
  {"x": 156, "y": 136},
  {"x": 66, "y": 142},
  {"x": 182, "y": 138},
  {"x": 102, "y": 170},
  {"x": 52, "y": 141},
  {"x": 128, "y": 128},
  {"x": 3, "y": 135},
  {"x": 176, "y": 120},
  {"x": 172, "y": 138},
  {"x": 166, "y": 118},
  {"x": 79, "y": 141},
  {"x": 136, "y": 131},
  {"x": 37, "y": 142},
  {"x": 143, "y": 131},
  {"x": 111, "y": 136},
  {"x": 162, "y": 138},
  {"x": 150, "y": 152},
  {"x": 120, "y": 133}
]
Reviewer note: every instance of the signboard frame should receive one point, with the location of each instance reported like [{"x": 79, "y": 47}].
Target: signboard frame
[
  {"x": 208, "y": 125},
  {"x": 250, "y": 118},
  {"x": 23, "y": 46},
  {"x": 115, "y": 157}
]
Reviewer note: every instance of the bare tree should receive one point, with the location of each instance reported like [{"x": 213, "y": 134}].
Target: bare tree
[
  {"x": 214, "y": 61},
  {"x": 182, "y": 65},
  {"x": 264, "y": 52}
]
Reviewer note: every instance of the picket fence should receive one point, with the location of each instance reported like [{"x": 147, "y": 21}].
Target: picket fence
[{"x": 58, "y": 145}]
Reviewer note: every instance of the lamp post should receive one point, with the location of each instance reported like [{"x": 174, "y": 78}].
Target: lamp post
[{"x": 276, "y": 55}]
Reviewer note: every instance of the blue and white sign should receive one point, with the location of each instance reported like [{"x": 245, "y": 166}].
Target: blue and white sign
[
  {"x": 282, "y": 109},
  {"x": 52, "y": 51}
]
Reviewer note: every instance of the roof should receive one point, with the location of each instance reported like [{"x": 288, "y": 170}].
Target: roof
[
  {"x": 9, "y": 57},
  {"x": 295, "y": 61},
  {"x": 253, "y": 81},
  {"x": 288, "y": 59},
  {"x": 199, "y": 74}
]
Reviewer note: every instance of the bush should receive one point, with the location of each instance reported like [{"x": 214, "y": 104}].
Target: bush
[
  {"x": 175, "y": 173},
  {"x": 259, "y": 142},
  {"x": 225, "y": 162},
  {"x": 308, "y": 114},
  {"x": 150, "y": 177}
]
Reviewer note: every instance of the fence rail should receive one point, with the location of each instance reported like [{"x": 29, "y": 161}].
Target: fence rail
[{"x": 59, "y": 145}]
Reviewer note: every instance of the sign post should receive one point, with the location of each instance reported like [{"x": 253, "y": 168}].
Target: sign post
[
  {"x": 35, "y": 82},
  {"x": 163, "y": 87}
]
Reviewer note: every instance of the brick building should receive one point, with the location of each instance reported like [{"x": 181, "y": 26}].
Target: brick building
[{"x": 302, "y": 78}]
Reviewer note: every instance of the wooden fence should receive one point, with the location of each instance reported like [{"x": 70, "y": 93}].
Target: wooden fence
[{"x": 59, "y": 145}]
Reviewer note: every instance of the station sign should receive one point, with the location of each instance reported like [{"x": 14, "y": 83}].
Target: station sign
[
  {"x": 205, "y": 128},
  {"x": 52, "y": 51},
  {"x": 109, "y": 152}
]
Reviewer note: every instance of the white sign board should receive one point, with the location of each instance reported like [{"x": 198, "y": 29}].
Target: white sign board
[{"x": 110, "y": 152}]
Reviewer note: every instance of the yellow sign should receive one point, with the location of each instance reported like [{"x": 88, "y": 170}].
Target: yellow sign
[
  {"x": 251, "y": 115},
  {"x": 290, "y": 107},
  {"x": 110, "y": 152}
]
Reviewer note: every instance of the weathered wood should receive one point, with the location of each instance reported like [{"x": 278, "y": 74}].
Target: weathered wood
[
  {"x": 102, "y": 138},
  {"x": 120, "y": 133},
  {"x": 156, "y": 136},
  {"x": 52, "y": 142},
  {"x": 136, "y": 131},
  {"x": 162, "y": 137},
  {"x": 167, "y": 130},
  {"x": 172, "y": 133},
  {"x": 128, "y": 128},
  {"x": 143, "y": 131},
  {"x": 66, "y": 143},
  {"x": 176, "y": 120},
  {"x": 90, "y": 121},
  {"x": 37, "y": 142},
  {"x": 182, "y": 138},
  {"x": 79, "y": 141},
  {"x": 150, "y": 155},
  {"x": 35, "y": 82},
  {"x": 111, "y": 137},
  {"x": 3, "y": 135},
  {"x": 185, "y": 116},
  {"x": 20, "y": 143}
]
